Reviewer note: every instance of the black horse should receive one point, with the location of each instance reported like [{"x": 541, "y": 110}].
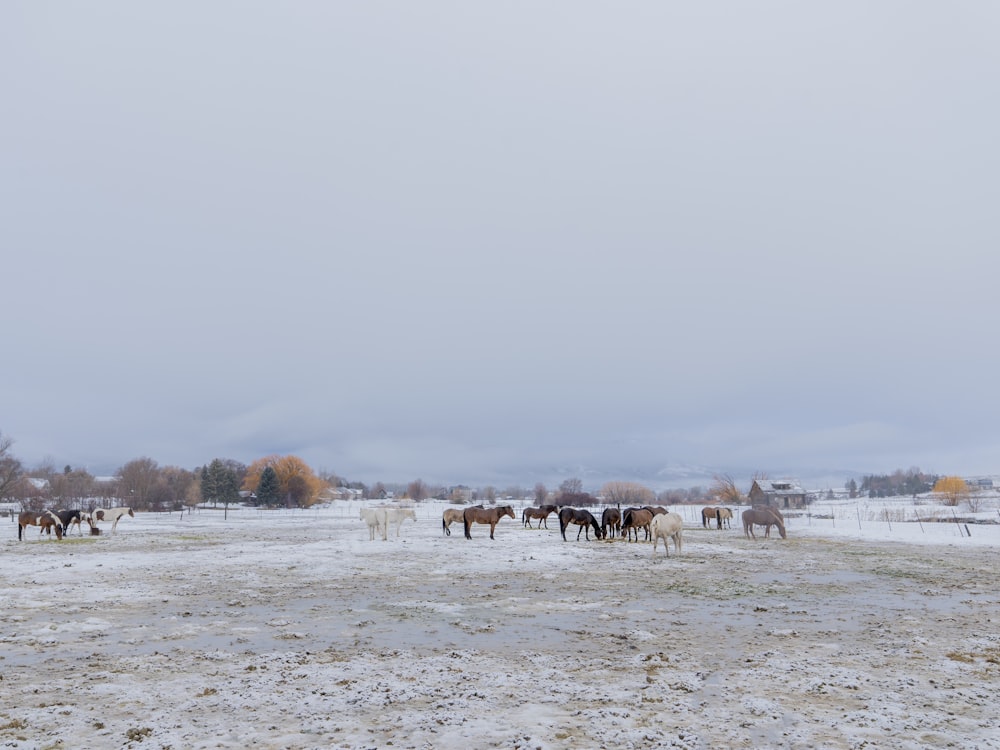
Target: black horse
[
  {"x": 72, "y": 518},
  {"x": 582, "y": 518}
]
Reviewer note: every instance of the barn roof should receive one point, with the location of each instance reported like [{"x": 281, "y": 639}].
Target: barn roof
[{"x": 779, "y": 486}]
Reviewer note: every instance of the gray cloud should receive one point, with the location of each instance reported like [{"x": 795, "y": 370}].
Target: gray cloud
[{"x": 467, "y": 242}]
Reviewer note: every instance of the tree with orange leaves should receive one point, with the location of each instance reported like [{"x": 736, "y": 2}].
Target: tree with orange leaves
[
  {"x": 951, "y": 489},
  {"x": 298, "y": 485}
]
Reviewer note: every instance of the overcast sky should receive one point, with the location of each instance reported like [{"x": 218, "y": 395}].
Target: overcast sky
[{"x": 465, "y": 241}]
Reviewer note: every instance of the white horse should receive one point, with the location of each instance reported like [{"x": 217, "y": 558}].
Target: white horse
[
  {"x": 113, "y": 514},
  {"x": 375, "y": 518},
  {"x": 667, "y": 526},
  {"x": 397, "y": 516}
]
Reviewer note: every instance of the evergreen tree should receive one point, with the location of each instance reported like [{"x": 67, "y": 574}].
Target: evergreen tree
[
  {"x": 208, "y": 491},
  {"x": 269, "y": 487},
  {"x": 219, "y": 483}
]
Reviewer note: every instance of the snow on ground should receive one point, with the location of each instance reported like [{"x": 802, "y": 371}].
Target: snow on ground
[{"x": 290, "y": 629}]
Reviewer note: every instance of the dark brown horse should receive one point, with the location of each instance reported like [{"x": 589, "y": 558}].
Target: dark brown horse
[
  {"x": 582, "y": 518},
  {"x": 485, "y": 515},
  {"x": 611, "y": 519},
  {"x": 766, "y": 517},
  {"x": 542, "y": 513},
  {"x": 46, "y": 520},
  {"x": 634, "y": 519}
]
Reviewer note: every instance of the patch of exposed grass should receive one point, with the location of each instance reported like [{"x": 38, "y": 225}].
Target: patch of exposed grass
[{"x": 957, "y": 656}]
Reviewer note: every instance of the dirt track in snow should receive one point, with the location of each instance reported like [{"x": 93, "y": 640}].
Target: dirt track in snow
[{"x": 295, "y": 631}]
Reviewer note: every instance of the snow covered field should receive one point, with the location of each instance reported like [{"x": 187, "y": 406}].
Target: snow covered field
[{"x": 290, "y": 629}]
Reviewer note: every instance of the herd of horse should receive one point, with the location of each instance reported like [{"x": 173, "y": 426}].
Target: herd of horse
[
  {"x": 655, "y": 522},
  {"x": 62, "y": 521}
]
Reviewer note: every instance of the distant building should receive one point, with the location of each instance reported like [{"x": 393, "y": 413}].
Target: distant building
[
  {"x": 779, "y": 493},
  {"x": 980, "y": 483}
]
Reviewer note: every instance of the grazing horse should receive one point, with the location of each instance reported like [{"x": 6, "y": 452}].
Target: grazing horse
[
  {"x": 45, "y": 521},
  {"x": 582, "y": 518},
  {"x": 479, "y": 514},
  {"x": 634, "y": 519},
  {"x": 70, "y": 518},
  {"x": 656, "y": 511},
  {"x": 766, "y": 517},
  {"x": 611, "y": 518},
  {"x": 375, "y": 518},
  {"x": 113, "y": 514},
  {"x": 541, "y": 513},
  {"x": 397, "y": 516},
  {"x": 667, "y": 526}
]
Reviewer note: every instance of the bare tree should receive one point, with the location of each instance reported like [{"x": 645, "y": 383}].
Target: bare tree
[
  {"x": 541, "y": 494},
  {"x": 137, "y": 482},
  {"x": 417, "y": 490},
  {"x": 71, "y": 487},
  {"x": 11, "y": 470},
  {"x": 725, "y": 490},
  {"x": 627, "y": 493},
  {"x": 571, "y": 486}
]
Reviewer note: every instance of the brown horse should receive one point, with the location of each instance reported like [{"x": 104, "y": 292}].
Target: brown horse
[
  {"x": 611, "y": 519},
  {"x": 707, "y": 514},
  {"x": 719, "y": 514},
  {"x": 774, "y": 511},
  {"x": 766, "y": 517},
  {"x": 45, "y": 521},
  {"x": 485, "y": 515},
  {"x": 582, "y": 518},
  {"x": 453, "y": 515},
  {"x": 542, "y": 513},
  {"x": 634, "y": 519}
]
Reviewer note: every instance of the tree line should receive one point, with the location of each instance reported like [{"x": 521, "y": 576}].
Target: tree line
[{"x": 287, "y": 481}]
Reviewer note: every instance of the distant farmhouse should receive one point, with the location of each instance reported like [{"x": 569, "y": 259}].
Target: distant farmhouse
[{"x": 779, "y": 493}]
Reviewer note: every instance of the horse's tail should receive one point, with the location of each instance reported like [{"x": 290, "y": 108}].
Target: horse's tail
[
  {"x": 468, "y": 526},
  {"x": 20, "y": 528}
]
